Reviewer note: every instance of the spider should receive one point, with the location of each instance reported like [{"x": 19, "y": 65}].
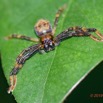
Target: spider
[{"x": 47, "y": 42}]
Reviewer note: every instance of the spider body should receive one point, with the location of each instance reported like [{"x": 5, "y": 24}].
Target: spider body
[
  {"x": 44, "y": 31},
  {"x": 47, "y": 42}
]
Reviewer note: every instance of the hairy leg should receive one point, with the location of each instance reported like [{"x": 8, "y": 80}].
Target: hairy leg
[
  {"x": 23, "y": 37},
  {"x": 78, "y": 32},
  {"x": 90, "y": 30},
  {"x": 24, "y": 55},
  {"x": 57, "y": 17}
]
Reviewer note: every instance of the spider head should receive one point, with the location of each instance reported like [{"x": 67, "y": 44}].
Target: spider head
[{"x": 42, "y": 27}]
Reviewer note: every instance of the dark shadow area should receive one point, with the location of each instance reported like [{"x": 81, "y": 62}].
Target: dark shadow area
[
  {"x": 90, "y": 90},
  {"x": 4, "y": 96}
]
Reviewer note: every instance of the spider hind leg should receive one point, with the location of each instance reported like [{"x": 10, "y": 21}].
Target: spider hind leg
[{"x": 21, "y": 59}]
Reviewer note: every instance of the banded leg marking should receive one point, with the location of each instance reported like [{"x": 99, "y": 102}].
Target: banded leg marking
[
  {"x": 26, "y": 54},
  {"x": 100, "y": 39},
  {"x": 23, "y": 37},
  {"x": 57, "y": 17}
]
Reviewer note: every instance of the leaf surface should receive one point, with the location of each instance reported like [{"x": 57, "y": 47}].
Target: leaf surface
[{"x": 47, "y": 78}]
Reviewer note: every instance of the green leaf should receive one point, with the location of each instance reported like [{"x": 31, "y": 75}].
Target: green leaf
[{"x": 47, "y": 78}]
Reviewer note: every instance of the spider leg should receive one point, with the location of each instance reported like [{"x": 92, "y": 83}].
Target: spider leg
[
  {"x": 25, "y": 54},
  {"x": 23, "y": 37},
  {"x": 70, "y": 32},
  {"x": 96, "y": 32},
  {"x": 78, "y": 31},
  {"x": 13, "y": 81},
  {"x": 57, "y": 17},
  {"x": 96, "y": 39}
]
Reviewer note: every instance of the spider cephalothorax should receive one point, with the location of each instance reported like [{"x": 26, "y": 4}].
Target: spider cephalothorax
[{"x": 47, "y": 42}]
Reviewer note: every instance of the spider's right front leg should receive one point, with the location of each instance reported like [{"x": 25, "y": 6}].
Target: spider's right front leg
[{"x": 26, "y": 54}]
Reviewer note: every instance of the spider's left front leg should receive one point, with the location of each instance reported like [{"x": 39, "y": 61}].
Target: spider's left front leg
[{"x": 25, "y": 54}]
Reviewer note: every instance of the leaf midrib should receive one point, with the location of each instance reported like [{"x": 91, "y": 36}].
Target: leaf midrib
[{"x": 63, "y": 19}]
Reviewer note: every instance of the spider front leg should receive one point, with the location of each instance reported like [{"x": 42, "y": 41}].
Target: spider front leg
[
  {"x": 23, "y": 37},
  {"x": 25, "y": 54},
  {"x": 57, "y": 17}
]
